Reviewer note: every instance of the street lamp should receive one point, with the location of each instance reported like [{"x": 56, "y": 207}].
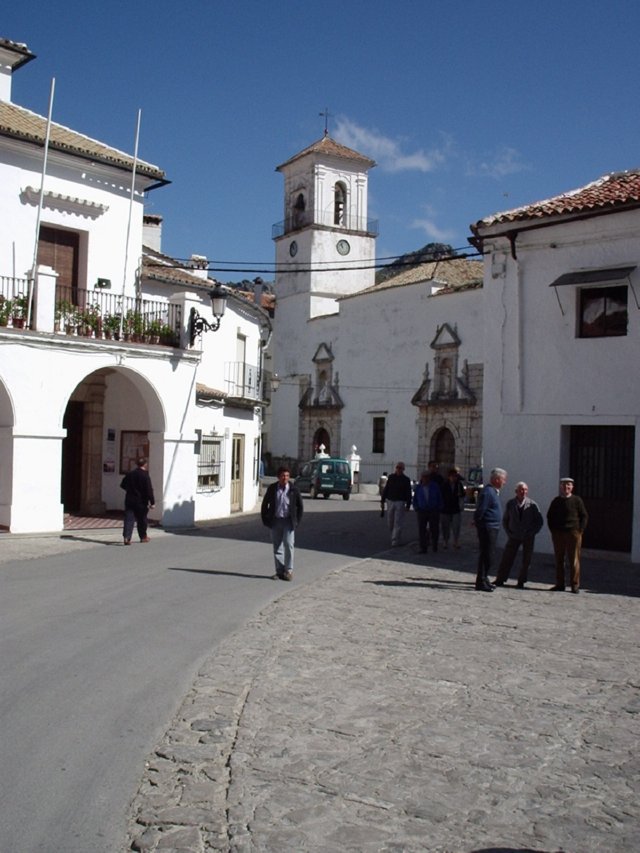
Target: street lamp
[{"x": 198, "y": 325}]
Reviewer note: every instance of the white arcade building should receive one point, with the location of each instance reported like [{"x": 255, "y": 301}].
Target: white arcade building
[{"x": 101, "y": 358}]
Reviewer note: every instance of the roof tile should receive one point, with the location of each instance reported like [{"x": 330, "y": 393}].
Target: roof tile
[
  {"x": 613, "y": 191},
  {"x": 21, "y": 123}
]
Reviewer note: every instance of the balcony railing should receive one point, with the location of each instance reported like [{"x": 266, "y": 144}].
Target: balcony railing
[
  {"x": 304, "y": 219},
  {"x": 242, "y": 380},
  {"x": 96, "y": 314},
  {"x": 14, "y": 302}
]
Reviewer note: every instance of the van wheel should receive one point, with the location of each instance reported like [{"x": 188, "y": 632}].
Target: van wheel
[
  {"x": 346, "y": 496},
  {"x": 313, "y": 492},
  {"x": 326, "y": 495}
]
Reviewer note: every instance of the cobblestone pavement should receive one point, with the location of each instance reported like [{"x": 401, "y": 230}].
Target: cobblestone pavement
[{"x": 391, "y": 707}]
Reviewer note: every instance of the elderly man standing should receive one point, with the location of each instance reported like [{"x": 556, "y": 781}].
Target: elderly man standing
[
  {"x": 487, "y": 518},
  {"x": 397, "y": 496},
  {"x": 567, "y": 519},
  {"x": 522, "y": 520}
]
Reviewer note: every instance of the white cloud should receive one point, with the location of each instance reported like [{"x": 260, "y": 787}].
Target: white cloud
[
  {"x": 505, "y": 161},
  {"x": 387, "y": 152},
  {"x": 432, "y": 230}
]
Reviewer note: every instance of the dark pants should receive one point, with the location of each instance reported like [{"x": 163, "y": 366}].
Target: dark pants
[
  {"x": 509, "y": 556},
  {"x": 487, "y": 538},
  {"x": 135, "y": 514},
  {"x": 566, "y": 547},
  {"x": 428, "y": 520}
]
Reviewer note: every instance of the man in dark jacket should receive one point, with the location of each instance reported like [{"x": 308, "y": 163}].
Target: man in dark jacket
[
  {"x": 281, "y": 512},
  {"x": 139, "y": 497},
  {"x": 567, "y": 519},
  {"x": 522, "y": 520},
  {"x": 397, "y": 496}
]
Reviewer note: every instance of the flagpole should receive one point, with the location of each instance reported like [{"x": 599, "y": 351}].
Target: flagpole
[
  {"x": 40, "y": 202},
  {"x": 131, "y": 195}
]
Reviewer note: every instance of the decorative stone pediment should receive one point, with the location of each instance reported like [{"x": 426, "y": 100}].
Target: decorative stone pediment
[
  {"x": 324, "y": 391},
  {"x": 323, "y": 353},
  {"x": 449, "y": 386},
  {"x": 65, "y": 203},
  {"x": 445, "y": 337}
]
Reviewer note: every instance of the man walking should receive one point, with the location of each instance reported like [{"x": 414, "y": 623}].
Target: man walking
[
  {"x": 397, "y": 495},
  {"x": 138, "y": 498},
  {"x": 281, "y": 511},
  {"x": 487, "y": 518},
  {"x": 521, "y": 521},
  {"x": 567, "y": 519}
]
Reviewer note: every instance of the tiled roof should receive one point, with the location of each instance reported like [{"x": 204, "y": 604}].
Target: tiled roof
[
  {"x": 451, "y": 275},
  {"x": 207, "y": 393},
  {"x": 20, "y": 123},
  {"x": 20, "y": 52},
  {"x": 159, "y": 267},
  {"x": 611, "y": 192},
  {"x": 328, "y": 146}
]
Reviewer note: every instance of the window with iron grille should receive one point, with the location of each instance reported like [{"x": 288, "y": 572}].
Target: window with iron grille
[
  {"x": 603, "y": 312},
  {"x": 378, "y": 435},
  {"x": 210, "y": 463}
]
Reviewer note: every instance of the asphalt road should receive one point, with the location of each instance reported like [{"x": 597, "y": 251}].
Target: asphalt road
[{"x": 99, "y": 645}]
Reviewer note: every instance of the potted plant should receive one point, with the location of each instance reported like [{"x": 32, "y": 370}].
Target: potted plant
[
  {"x": 5, "y": 310},
  {"x": 111, "y": 326},
  {"x": 19, "y": 311},
  {"x": 154, "y": 330},
  {"x": 167, "y": 335},
  {"x": 91, "y": 321},
  {"x": 66, "y": 316},
  {"x": 133, "y": 326}
]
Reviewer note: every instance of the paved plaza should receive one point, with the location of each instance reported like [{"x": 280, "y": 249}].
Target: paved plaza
[{"x": 391, "y": 707}]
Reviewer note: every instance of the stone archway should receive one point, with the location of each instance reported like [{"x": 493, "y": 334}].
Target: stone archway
[
  {"x": 443, "y": 447},
  {"x": 103, "y": 406},
  {"x": 7, "y": 421},
  {"x": 322, "y": 437}
]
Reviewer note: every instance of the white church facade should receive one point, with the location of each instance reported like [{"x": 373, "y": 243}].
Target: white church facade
[
  {"x": 100, "y": 353},
  {"x": 394, "y": 369}
]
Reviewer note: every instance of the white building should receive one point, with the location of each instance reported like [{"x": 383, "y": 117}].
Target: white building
[
  {"x": 98, "y": 360},
  {"x": 393, "y": 368},
  {"x": 562, "y": 321}
]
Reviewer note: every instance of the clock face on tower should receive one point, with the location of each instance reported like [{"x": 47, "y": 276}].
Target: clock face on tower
[
  {"x": 293, "y": 248},
  {"x": 343, "y": 247}
]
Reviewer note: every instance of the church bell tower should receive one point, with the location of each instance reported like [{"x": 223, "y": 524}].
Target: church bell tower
[{"x": 325, "y": 247}]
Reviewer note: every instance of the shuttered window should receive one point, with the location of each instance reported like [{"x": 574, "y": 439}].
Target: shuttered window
[{"x": 59, "y": 249}]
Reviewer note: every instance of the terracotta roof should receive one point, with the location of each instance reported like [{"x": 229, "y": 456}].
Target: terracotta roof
[
  {"x": 162, "y": 268},
  {"x": 19, "y": 123},
  {"x": 609, "y": 193},
  {"x": 159, "y": 267},
  {"x": 206, "y": 393},
  {"x": 329, "y": 147},
  {"x": 20, "y": 51},
  {"x": 451, "y": 275}
]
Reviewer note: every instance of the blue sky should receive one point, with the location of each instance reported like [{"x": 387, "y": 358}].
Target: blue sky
[{"x": 468, "y": 108}]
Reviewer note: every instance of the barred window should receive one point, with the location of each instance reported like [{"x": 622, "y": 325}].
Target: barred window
[
  {"x": 210, "y": 463},
  {"x": 379, "y": 428}
]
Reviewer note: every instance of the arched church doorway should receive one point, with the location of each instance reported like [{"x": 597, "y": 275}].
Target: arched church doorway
[
  {"x": 320, "y": 439},
  {"x": 443, "y": 447}
]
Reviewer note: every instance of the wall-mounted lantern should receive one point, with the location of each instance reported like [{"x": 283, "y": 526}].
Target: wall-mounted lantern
[{"x": 198, "y": 325}]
